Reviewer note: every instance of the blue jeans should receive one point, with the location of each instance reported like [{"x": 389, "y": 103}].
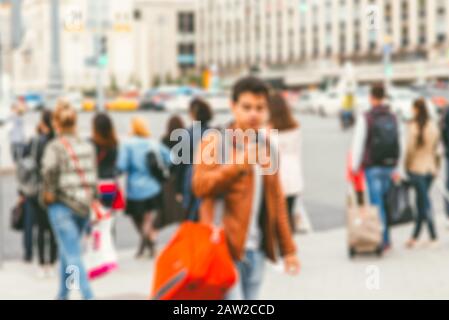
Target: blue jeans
[
  {"x": 68, "y": 228},
  {"x": 422, "y": 184},
  {"x": 379, "y": 182},
  {"x": 250, "y": 270}
]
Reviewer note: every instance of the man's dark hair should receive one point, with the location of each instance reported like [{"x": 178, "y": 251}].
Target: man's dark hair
[
  {"x": 252, "y": 85},
  {"x": 378, "y": 91},
  {"x": 201, "y": 110}
]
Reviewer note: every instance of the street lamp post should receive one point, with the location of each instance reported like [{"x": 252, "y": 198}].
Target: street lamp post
[
  {"x": 55, "y": 83},
  {"x": 99, "y": 23},
  {"x": 2, "y": 227},
  {"x": 387, "y": 61},
  {"x": 1, "y": 177}
]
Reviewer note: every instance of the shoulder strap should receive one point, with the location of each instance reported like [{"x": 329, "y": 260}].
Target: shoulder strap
[
  {"x": 35, "y": 147},
  {"x": 157, "y": 152},
  {"x": 80, "y": 172}
]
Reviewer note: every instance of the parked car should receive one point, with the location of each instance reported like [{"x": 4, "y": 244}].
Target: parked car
[
  {"x": 329, "y": 103},
  {"x": 123, "y": 103},
  {"x": 438, "y": 95},
  {"x": 401, "y": 102},
  {"x": 219, "y": 101},
  {"x": 88, "y": 104},
  {"x": 307, "y": 102},
  {"x": 149, "y": 101},
  {"x": 180, "y": 100},
  {"x": 156, "y": 99},
  {"x": 33, "y": 101},
  {"x": 75, "y": 99}
]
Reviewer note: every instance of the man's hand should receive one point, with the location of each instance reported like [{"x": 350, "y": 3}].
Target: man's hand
[
  {"x": 292, "y": 264},
  {"x": 49, "y": 198}
]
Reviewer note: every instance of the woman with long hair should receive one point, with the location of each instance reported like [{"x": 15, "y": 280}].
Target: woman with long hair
[
  {"x": 421, "y": 163},
  {"x": 105, "y": 141},
  {"x": 173, "y": 187},
  {"x": 45, "y": 237},
  {"x": 288, "y": 143},
  {"x": 201, "y": 115},
  {"x": 46, "y": 243},
  {"x": 143, "y": 188},
  {"x": 69, "y": 178}
]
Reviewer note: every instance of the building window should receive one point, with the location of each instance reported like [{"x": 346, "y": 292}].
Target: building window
[
  {"x": 404, "y": 10},
  {"x": 405, "y": 40},
  {"x": 422, "y": 8},
  {"x": 186, "y": 22},
  {"x": 137, "y": 15},
  {"x": 422, "y": 34},
  {"x": 186, "y": 55}
]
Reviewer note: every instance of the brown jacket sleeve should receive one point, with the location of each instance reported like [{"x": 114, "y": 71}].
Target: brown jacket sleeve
[
  {"x": 285, "y": 237},
  {"x": 210, "y": 178}
]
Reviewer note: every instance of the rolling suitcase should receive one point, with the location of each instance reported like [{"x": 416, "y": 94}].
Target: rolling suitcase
[{"x": 364, "y": 229}]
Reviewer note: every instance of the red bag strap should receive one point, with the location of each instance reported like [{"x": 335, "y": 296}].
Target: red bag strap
[{"x": 77, "y": 165}]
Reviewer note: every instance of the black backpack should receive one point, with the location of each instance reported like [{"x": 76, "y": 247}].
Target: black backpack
[
  {"x": 384, "y": 139},
  {"x": 28, "y": 170},
  {"x": 444, "y": 127}
]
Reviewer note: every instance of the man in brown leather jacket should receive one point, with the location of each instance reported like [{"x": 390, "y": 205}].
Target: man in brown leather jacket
[{"x": 255, "y": 218}]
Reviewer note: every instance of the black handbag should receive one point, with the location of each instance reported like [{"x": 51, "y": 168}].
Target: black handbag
[
  {"x": 398, "y": 205},
  {"x": 17, "y": 216},
  {"x": 156, "y": 165}
]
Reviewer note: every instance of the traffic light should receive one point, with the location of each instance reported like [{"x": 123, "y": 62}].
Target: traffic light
[
  {"x": 103, "y": 58},
  {"x": 389, "y": 70}
]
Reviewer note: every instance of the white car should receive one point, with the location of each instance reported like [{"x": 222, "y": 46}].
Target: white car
[
  {"x": 180, "y": 101},
  {"x": 307, "y": 101},
  {"x": 329, "y": 103},
  {"x": 401, "y": 103},
  {"x": 219, "y": 101},
  {"x": 75, "y": 99}
]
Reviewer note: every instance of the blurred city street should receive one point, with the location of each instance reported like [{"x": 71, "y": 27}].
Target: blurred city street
[
  {"x": 327, "y": 272},
  {"x": 323, "y": 141},
  {"x": 351, "y": 96}
]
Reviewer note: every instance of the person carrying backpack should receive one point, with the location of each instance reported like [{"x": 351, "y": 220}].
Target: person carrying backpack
[
  {"x": 376, "y": 149},
  {"x": 30, "y": 184},
  {"x": 143, "y": 184}
]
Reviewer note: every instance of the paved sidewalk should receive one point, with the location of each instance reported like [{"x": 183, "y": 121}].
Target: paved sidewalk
[{"x": 327, "y": 273}]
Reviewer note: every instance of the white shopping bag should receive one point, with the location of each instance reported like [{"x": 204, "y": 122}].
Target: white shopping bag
[{"x": 101, "y": 257}]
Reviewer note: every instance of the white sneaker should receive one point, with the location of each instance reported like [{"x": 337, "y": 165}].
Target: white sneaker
[{"x": 433, "y": 244}]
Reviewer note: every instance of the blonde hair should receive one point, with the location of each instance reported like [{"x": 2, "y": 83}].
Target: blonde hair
[
  {"x": 64, "y": 115},
  {"x": 140, "y": 128}
]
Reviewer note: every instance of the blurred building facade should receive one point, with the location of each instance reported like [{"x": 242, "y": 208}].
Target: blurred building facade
[
  {"x": 164, "y": 40},
  {"x": 302, "y": 42},
  {"x": 31, "y": 59},
  {"x": 5, "y": 39},
  {"x": 147, "y": 41}
]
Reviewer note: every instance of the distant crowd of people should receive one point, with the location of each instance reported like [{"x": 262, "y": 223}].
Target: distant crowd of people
[
  {"x": 69, "y": 172},
  {"x": 387, "y": 152}
]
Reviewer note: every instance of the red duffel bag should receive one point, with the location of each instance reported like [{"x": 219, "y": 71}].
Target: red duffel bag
[{"x": 195, "y": 265}]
